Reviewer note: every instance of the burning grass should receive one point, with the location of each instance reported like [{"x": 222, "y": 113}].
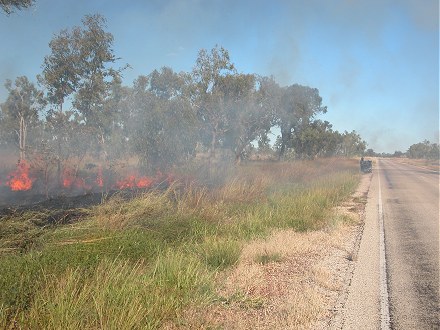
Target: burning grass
[{"x": 141, "y": 262}]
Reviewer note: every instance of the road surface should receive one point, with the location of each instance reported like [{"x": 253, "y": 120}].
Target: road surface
[{"x": 395, "y": 284}]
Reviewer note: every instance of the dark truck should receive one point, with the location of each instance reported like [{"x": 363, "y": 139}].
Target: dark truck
[{"x": 366, "y": 166}]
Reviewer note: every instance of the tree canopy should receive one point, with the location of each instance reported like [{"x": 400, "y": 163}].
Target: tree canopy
[
  {"x": 425, "y": 149},
  {"x": 164, "y": 118},
  {"x": 8, "y": 6}
]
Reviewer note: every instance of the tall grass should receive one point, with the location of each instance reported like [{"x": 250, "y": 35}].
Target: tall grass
[
  {"x": 137, "y": 263},
  {"x": 119, "y": 295}
]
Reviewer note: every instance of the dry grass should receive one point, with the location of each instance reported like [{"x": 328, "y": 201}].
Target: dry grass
[
  {"x": 274, "y": 295},
  {"x": 239, "y": 190},
  {"x": 119, "y": 213},
  {"x": 298, "y": 290},
  {"x": 291, "y": 293}
]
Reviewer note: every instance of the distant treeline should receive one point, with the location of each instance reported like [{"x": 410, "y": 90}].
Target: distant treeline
[
  {"x": 79, "y": 106},
  {"x": 421, "y": 150}
]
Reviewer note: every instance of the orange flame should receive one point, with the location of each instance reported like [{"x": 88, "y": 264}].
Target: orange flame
[
  {"x": 144, "y": 182},
  {"x": 70, "y": 180},
  {"x": 132, "y": 182},
  {"x": 19, "y": 179}
]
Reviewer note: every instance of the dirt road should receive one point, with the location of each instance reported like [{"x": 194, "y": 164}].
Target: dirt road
[{"x": 396, "y": 281}]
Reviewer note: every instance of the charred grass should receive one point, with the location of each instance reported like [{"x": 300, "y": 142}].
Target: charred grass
[{"x": 138, "y": 263}]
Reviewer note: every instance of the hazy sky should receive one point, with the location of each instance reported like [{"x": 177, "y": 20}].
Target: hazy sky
[{"x": 375, "y": 62}]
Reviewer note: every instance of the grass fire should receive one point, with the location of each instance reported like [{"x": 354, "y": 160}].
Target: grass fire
[
  {"x": 206, "y": 198},
  {"x": 19, "y": 179},
  {"x": 26, "y": 177},
  {"x": 157, "y": 257}
]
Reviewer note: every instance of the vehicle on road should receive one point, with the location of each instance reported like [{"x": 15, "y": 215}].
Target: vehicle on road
[{"x": 366, "y": 165}]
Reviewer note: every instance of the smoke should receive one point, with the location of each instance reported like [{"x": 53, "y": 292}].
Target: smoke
[{"x": 340, "y": 47}]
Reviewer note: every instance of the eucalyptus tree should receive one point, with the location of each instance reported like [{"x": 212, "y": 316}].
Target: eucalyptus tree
[
  {"x": 97, "y": 77},
  {"x": 78, "y": 74},
  {"x": 249, "y": 112},
  {"x": 80, "y": 66},
  {"x": 20, "y": 111},
  {"x": 67, "y": 141},
  {"x": 95, "y": 52},
  {"x": 425, "y": 149},
  {"x": 317, "y": 140},
  {"x": 352, "y": 144},
  {"x": 207, "y": 96},
  {"x": 299, "y": 106},
  {"x": 61, "y": 74},
  {"x": 114, "y": 122},
  {"x": 167, "y": 84},
  {"x": 61, "y": 77},
  {"x": 161, "y": 125}
]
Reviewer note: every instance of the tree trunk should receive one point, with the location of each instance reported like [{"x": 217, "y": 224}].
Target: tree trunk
[
  {"x": 22, "y": 138},
  {"x": 239, "y": 153},
  {"x": 286, "y": 136},
  {"x": 238, "y": 158},
  {"x": 59, "y": 165},
  {"x": 101, "y": 140},
  {"x": 213, "y": 141}
]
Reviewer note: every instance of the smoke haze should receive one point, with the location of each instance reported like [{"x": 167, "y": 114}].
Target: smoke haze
[{"x": 368, "y": 58}]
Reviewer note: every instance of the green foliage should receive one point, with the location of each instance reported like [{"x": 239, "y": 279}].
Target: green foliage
[
  {"x": 20, "y": 113},
  {"x": 60, "y": 74},
  {"x": 317, "y": 139},
  {"x": 352, "y": 144},
  {"x": 162, "y": 131},
  {"x": 79, "y": 70},
  {"x": 248, "y": 114},
  {"x": 167, "y": 118},
  {"x": 206, "y": 94},
  {"x": 298, "y": 105},
  {"x": 425, "y": 149}
]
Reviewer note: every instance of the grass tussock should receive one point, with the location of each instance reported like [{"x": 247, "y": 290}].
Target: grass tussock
[
  {"x": 220, "y": 253},
  {"x": 119, "y": 213},
  {"x": 137, "y": 263}
]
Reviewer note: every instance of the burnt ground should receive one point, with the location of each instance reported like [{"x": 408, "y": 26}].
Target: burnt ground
[
  {"x": 26, "y": 200},
  {"x": 25, "y": 215},
  {"x": 64, "y": 199},
  {"x": 47, "y": 211},
  {"x": 65, "y": 208}
]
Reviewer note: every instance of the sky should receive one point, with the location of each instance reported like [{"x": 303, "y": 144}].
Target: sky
[{"x": 375, "y": 62}]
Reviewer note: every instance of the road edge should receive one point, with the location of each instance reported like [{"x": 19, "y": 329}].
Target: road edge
[{"x": 338, "y": 318}]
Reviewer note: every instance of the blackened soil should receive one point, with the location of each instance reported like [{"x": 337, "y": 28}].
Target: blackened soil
[
  {"x": 22, "y": 200},
  {"x": 62, "y": 209}
]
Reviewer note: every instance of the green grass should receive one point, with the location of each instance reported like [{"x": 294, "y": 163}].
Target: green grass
[
  {"x": 119, "y": 294},
  {"x": 219, "y": 253},
  {"x": 135, "y": 264}
]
